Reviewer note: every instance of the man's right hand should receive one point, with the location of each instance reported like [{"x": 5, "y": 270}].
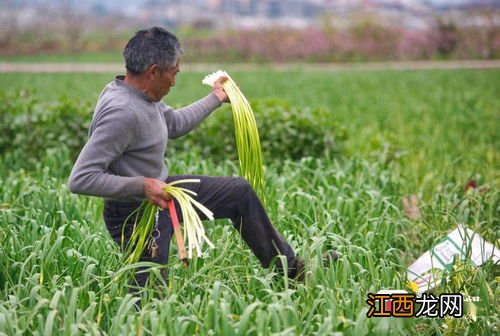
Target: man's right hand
[{"x": 153, "y": 191}]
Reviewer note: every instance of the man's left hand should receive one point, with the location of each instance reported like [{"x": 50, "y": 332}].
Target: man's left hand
[{"x": 218, "y": 90}]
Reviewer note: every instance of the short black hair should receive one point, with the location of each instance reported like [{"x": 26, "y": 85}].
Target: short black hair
[{"x": 155, "y": 45}]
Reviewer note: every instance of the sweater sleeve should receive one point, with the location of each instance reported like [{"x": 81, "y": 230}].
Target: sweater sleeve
[
  {"x": 181, "y": 121},
  {"x": 113, "y": 130}
]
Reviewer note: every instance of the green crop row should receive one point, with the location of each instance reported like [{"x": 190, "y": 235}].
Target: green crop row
[{"x": 59, "y": 265}]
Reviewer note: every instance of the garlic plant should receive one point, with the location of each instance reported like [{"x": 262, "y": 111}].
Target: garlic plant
[
  {"x": 141, "y": 231},
  {"x": 246, "y": 132},
  {"x": 193, "y": 227}
]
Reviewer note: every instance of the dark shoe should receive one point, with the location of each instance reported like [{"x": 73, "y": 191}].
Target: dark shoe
[{"x": 300, "y": 270}]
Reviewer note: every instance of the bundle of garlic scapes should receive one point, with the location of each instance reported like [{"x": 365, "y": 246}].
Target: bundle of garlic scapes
[
  {"x": 193, "y": 227},
  {"x": 246, "y": 133},
  {"x": 141, "y": 231}
]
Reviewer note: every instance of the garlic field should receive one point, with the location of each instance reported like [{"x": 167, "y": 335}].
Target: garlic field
[{"x": 341, "y": 150}]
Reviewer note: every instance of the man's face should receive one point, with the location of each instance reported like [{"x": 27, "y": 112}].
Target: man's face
[{"x": 163, "y": 81}]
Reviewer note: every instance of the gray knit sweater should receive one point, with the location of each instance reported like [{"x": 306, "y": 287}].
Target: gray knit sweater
[{"x": 128, "y": 139}]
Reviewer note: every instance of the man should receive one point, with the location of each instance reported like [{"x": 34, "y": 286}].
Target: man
[{"x": 123, "y": 160}]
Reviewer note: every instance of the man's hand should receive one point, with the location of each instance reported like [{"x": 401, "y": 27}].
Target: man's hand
[
  {"x": 218, "y": 90},
  {"x": 153, "y": 191}
]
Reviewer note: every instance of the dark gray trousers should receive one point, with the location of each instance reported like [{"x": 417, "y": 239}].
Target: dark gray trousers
[{"x": 226, "y": 197}]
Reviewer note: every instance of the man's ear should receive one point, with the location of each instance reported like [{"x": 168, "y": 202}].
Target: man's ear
[{"x": 152, "y": 70}]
